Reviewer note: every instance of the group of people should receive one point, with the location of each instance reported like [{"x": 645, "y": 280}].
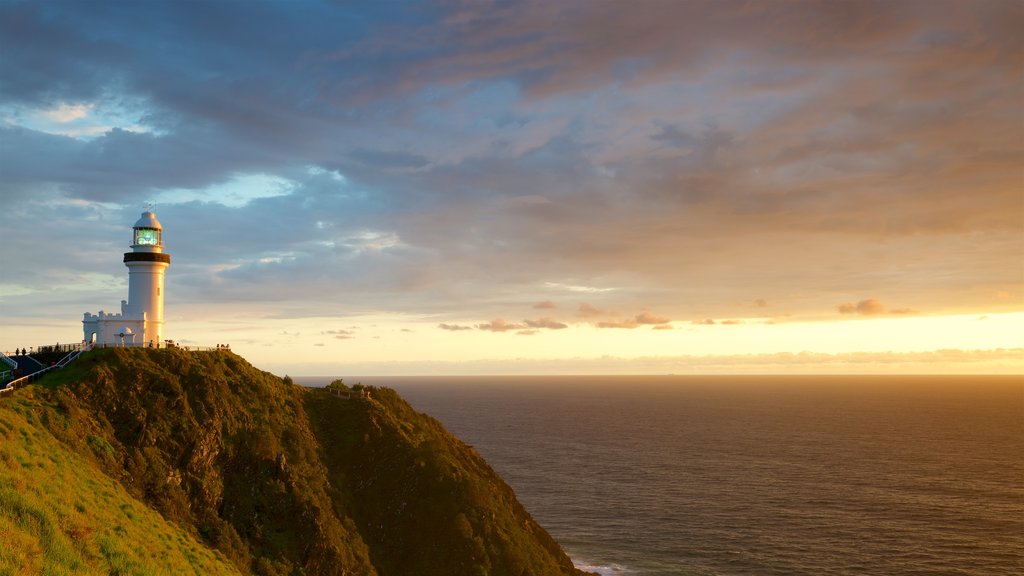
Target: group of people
[{"x": 57, "y": 348}]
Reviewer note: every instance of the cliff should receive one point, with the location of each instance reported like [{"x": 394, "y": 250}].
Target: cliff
[{"x": 166, "y": 461}]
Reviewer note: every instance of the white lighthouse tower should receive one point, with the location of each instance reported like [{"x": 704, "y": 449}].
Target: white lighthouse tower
[{"x": 141, "y": 321}]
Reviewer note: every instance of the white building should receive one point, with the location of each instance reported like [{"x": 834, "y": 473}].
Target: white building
[{"x": 141, "y": 320}]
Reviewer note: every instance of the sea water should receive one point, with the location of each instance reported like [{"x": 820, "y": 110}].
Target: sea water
[{"x": 659, "y": 476}]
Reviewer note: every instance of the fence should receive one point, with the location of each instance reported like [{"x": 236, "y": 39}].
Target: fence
[
  {"x": 8, "y": 360},
  {"x": 58, "y": 348},
  {"x": 4, "y": 375},
  {"x": 177, "y": 345},
  {"x": 74, "y": 352},
  {"x": 45, "y": 349}
]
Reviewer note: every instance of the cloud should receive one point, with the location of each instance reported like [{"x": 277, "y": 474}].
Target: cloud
[
  {"x": 68, "y": 113},
  {"x": 628, "y": 323},
  {"x": 430, "y": 180},
  {"x": 453, "y": 327},
  {"x": 732, "y": 322},
  {"x": 546, "y": 323},
  {"x": 867, "y": 307},
  {"x": 499, "y": 325},
  {"x": 528, "y": 326},
  {"x": 662, "y": 327},
  {"x": 389, "y": 159},
  {"x": 644, "y": 318},
  {"x": 339, "y": 334},
  {"x": 577, "y": 288},
  {"x": 705, "y": 322},
  {"x": 648, "y": 318},
  {"x": 672, "y": 135},
  {"x": 903, "y": 311},
  {"x": 587, "y": 311},
  {"x": 545, "y": 305}
]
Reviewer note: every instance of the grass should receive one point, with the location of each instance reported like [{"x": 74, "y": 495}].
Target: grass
[{"x": 59, "y": 514}]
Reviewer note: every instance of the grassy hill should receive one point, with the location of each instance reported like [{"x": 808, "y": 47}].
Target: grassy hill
[
  {"x": 139, "y": 461},
  {"x": 60, "y": 514}
]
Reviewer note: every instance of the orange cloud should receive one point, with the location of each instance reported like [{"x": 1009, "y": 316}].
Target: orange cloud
[
  {"x": 588, "y": 311},
  {"x": 867, "y": 307},
  {"x": 628, "y": 323},
  {"x": 705, "y": 322},
  {"x": 499, "y": 325},
  {"x": 546, "y": 323},
  {"x": 648, "y": 318},
  {"x": 638, "y": 320},
  {"x": 545, "y": 305}
]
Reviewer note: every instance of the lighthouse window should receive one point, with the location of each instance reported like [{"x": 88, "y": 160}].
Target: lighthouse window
[{"x": 146, "y": 236}]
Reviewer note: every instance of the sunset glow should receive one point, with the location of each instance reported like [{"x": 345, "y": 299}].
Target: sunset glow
[{"x": 539, "y": 187}]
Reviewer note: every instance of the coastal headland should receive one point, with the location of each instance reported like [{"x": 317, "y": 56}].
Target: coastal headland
[{"x": 153, "y": 461}]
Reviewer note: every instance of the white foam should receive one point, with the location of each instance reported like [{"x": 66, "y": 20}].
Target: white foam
[{"x": 602, "y": 569}]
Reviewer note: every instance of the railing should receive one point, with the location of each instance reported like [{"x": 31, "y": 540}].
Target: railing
[
  {"x": 177, "y": 345},
  {"x": 75, "y": 350},
  {"x": 44, "y": 349},
  {"x": 25, "y": 380},
  {"x": 203, "y": 348},
  {"x": 59, "y": 348},
  {"x": 8, "y": 360},
  {"x": 73, "y": 355},
  {"x": 7, "y": 373}
]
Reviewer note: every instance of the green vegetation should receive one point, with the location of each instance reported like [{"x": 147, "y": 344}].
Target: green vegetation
[
  {"x": 59, "y": 514},
  {"x": 152, "y": 461}
]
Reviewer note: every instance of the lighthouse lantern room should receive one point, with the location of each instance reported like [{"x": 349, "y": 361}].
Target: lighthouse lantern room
[{"x": 141, "y": 320}]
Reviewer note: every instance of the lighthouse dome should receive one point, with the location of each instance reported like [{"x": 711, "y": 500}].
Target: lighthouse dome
[{"x": 148, "y": 220}]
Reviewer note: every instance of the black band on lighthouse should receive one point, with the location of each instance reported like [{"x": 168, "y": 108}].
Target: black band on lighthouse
[{"x": 147, "y": 257}]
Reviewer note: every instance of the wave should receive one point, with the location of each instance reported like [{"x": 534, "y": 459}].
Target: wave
[{"x": 602, "y": 569}]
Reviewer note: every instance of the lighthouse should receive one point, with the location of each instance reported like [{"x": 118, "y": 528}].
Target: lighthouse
[{"x": 141, "y": 320}]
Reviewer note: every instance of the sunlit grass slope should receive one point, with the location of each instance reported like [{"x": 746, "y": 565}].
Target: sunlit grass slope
[
  {"x": 272, "y": 478},
  {"x": 59, "y": 514}
]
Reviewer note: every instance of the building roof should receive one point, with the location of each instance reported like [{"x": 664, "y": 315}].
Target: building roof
[{"x": 148, "y": 220}]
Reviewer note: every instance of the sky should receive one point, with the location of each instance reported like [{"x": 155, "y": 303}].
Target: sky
[{"x": 526, "y": 187}]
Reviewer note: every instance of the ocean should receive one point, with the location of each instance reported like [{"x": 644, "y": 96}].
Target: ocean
[{"x": 671, "y": 476}]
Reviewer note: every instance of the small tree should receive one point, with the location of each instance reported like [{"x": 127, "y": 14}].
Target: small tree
[{"x": 288, "y": 380}]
